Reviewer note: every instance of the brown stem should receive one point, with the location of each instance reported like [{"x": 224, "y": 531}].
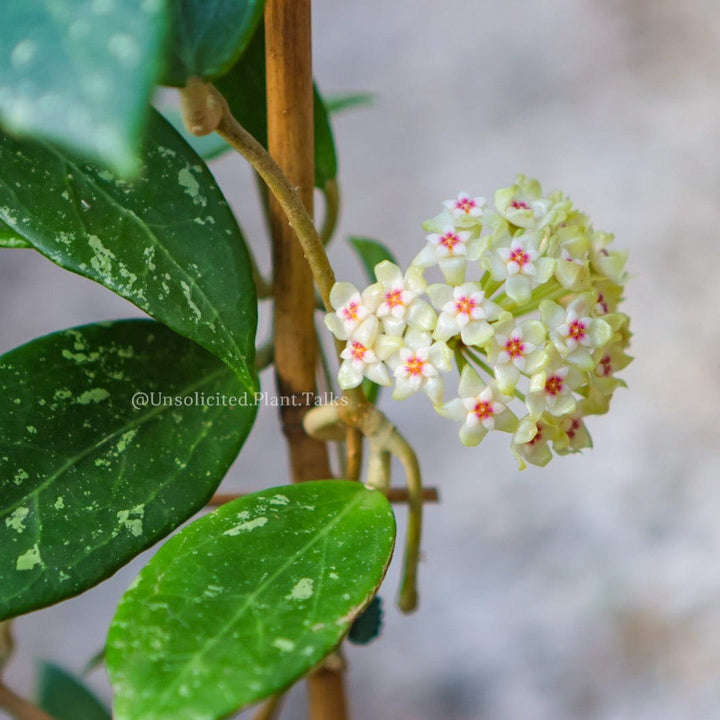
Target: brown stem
[
  {"x": 18, "y": 707},
  {"x": 291, "y": 145},
  {"x": 6, "y": 643},
  {"x": 288, "y": 60},
  {"x": 270, "y": 709},
  {"x": 326, "y": 694}
]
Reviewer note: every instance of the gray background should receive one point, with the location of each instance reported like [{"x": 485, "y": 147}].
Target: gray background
[{"x": 589, "y": 589}]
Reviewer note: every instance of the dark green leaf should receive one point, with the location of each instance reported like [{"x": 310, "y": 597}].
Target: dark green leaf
[
  {"x": 340, "y": 103},
  {"x": 10, "y": 239},
  {"x": 244, "y": 89},
  {"x": 80, "y": 73},
  {"x": 207, "y": 147},
  {"x": 244, "y": 601},
  {"x": 66, "y": 698},
  {"x": 325, "y": 157},
  {"x": 86, "y": 480},
  {"x": 208, "y": 36},
  {"x": 167, "y": 242},
  {"x": 367, "y": 626},
  {"x": 371, "y": 252}
]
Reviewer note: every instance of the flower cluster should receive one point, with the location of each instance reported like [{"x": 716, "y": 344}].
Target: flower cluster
[{"x": 528, "y": 310}]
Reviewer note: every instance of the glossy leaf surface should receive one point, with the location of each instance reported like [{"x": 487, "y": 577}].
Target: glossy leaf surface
[
  {"x": 91, "y": 473},
  {"x": 167, "y": 242},
  {"x": 80, "y": 72},
  {"x": 244, "y": 601},
  {"x": 208, "y": 36}
]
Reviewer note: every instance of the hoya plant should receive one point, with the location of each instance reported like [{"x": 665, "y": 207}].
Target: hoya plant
[{"x": 113, "y": 435}]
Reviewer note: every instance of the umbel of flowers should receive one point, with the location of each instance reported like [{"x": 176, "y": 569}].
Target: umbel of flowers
[{"x": 527, "y": 310}]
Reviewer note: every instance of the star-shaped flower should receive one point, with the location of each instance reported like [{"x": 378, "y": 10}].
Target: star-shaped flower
[
  {"x": 419, "y": 365},
  {"x": 464, "y": 311},
  {"x": 364, "y": 355},
  {"x": 480, "y": 407},
  {"x": 450, "y": 249},
  {"x": 351, "y": 308},
  {"x": 521, "y": 265},
  {"x": 517, "y": 349},
  {"x": 574, "y": 333}
]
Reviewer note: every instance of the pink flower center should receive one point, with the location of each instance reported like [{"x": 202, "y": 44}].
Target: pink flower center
[
  {"x": 519, "y": 256},
  {"x": 605, "y": 367},
  {"x": 465, "y": 305},
  {"x": 515, "y": 348},
  {"x": 414, "y": 366},
  {"x": 350, "y": 311},
  {"x": 357, "y": 350},
  {"x": 394, "y": 298},
  {"x": 576, "y": 330},
  {"x": 602, "y": 303},
  {"x": 519, "y": 205},
  {"x": 450, "y": 240},
  {"x": 466, "y": 205},
  {"x": 574, "y": 427},
  {"x": 537, "y": 438},
  {"x": 483, "y": 410},
  {"x": 554, "y": 385}
]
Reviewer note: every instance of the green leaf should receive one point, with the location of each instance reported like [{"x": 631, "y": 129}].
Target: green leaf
[
  {"x": 208, "y": 36},
  {"x": 244, "y": 601},
  {"x": 10, "y": 239},
  {"x": 340, "y": 103},
  {"x": 66, "y": 698},
  {"x": 371, "y": 252},
  {"x": 80, "y": 73},
  {"x": 244, "y": 89},
  {"x": 167, "y": 242},
  {"x": 86, "y": 480},
  {"x": 368, "y": 625},
  {"x": 208, "y": 147},
  {"x": 325, "y": 157}
]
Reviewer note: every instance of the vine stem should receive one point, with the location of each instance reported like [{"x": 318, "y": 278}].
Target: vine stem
[{"x": 20, "y": 708}]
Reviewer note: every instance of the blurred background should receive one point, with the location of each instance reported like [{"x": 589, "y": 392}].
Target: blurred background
[{"x": 589, "y": 589}]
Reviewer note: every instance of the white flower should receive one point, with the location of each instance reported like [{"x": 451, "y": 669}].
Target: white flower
[
  {"x": 466, "y": 207},
  {"x": 521, "y": 266},
  {"x": 573, "y": 436},
  {"x": 418, "y": 366},
  {"x": 573, "y": 332},
  {"x": 450, "y": 249},
  {"x": 517, "y": 349},
  {"x": 465, "y": 311},
  {"x": 364, "y": 355},
  {"x": 531, "y": 442},
  {"x": 351, "y": 308},
  {"x": 522, "y": 204},
  {"x": 552, "y": 388},
  {"x": 394, "y": 294},
  {"x": 479, "y": 407}
]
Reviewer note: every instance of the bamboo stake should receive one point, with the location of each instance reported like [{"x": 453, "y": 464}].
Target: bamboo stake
[
  {"x": 288, "y": 58},
  {"x": 291, "y": 144}
]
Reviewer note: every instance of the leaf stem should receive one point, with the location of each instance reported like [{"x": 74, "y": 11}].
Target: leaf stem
[{"x": 197, "y": 95}]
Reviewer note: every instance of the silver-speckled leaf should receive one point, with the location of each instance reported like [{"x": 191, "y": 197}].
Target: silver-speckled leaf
[
  {"x": 89, "y": 475},
  {"x": 167, "y": 242},
  {"x": 244, "y": 601}
]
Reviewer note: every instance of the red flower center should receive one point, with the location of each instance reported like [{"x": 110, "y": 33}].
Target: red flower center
[{"x": 554, "y": 385}]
